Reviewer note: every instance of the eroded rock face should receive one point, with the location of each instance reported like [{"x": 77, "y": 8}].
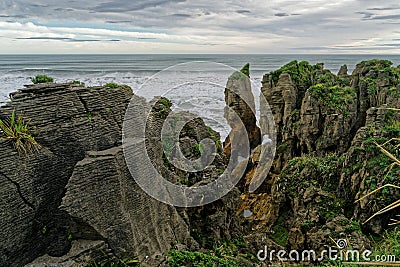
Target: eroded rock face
[
  {"x": 327, "y": 127},
  {"x": 307, "y": 119},
  {"x": 102, "y": 193},
  {"x": 69, "y": 120},
  {"x": 343, "y": 71},
  {"x": 327, "y": 156},
  {"x": 65, "y": 192},
  {"x": 81, "y": 252},
  {"x": 240, "y": 102},
  {"x": 367, "y": 168}
]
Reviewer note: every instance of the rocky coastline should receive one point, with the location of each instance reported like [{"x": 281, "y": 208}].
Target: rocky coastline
[{"x": 75, "y": 201}]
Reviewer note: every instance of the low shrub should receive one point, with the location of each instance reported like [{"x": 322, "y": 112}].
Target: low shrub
[
  {"x": 112, "y": 85},
  {"x": 41, "y": 78}
]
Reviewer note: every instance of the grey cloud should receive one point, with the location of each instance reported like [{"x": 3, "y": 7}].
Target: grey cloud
[
  {"x": 366, "y": 15},
  {"x": 281, "y": 15},
  {"x": 308, "y": 48},
  {"x": 392, "y": 45},
  {"x": 60, "y": 9},
  {"x": 350, "y": 48},
  {"x": 44, "y": 38},
  {"x": 13, "y": 16},
  {"x": 383, "y": 8},
  {"x": 39, "y": 5},
  {"x": 390, "y": 23},
  {"x": 397, "y": 16},
  {"x": 67, "y": 39},
  {"x": 316, "y": 28},
  {"x": 118, "y": 21},
  {"x": 181, "y": 15},
  {"x": 124, "y": 6}
]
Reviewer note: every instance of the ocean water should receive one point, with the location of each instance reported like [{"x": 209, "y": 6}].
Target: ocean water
[{"x": 197, "y": 86}]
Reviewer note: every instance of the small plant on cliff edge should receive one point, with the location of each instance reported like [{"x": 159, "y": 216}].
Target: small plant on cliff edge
[
  {"x": 16, "y": 130},
  {"x": 41, "y": 78},
  {"x": 89, "y": 117},
  {"x": 112, "y": 85},
  {"x": 246, "y": 70},
  {"x": 77, "y": 82},
  {"x": 395, "y": 164}
]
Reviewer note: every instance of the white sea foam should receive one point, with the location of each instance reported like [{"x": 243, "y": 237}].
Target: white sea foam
[{"x": 135, "y": 70}]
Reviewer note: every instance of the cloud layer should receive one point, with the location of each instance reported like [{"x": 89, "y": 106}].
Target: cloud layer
[{"x": 188, "y": 26}]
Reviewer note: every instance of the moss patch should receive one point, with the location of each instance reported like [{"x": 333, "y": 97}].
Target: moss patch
[{"x": 281, "y": 233}]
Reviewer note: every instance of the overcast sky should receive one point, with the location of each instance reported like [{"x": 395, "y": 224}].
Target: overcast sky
[{"x": 200, "y": 26}]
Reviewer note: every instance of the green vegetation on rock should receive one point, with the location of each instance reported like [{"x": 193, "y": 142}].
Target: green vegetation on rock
[
  {"x": 198, "y": 149},
  {"x": 335, "y": 97},
  {"x": 246, "y": 70},
  {"x": 16, "y": 130},
  {"x": 165, "y": 101},
  {"x": 300, "y": 72},
  {"x": 388, "y": 244},
  {"x": 41, "y": 78},
  {"x": 223, "y": 253},
  {"x": 198, "y": 259},
  {"x": 280, "y": 231},
  {"x": 112, "y": 85},
  {"x": 376, "y": 64},
  {"x": 89, "y": 117},
  {"x": 76, "y": 82}
]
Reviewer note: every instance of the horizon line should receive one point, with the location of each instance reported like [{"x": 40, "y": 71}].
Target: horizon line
[{"x": 116, "y": 54}]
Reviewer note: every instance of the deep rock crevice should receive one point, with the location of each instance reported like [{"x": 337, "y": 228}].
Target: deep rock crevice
[{"x": 18, "y": 189}]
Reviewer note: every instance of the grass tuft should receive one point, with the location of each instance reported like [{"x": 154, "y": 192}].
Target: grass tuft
[
  {"x": 396, "y": 163},
  {"x": 16, "y": 130}
]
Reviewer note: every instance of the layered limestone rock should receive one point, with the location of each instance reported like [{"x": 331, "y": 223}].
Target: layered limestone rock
[
  {"x": 101, "y": 199},
  {"x": 329, "y": 112},
  {"x": 247, "y": 146},
  {"x": 367, "y": 168},
  {"x": 328, "y": 155},
  {"x": 240, "y": 111},
  {"x": 69, "y": 120},
  {"x": 81, "y": 253},
  {"x": 78, "y": 188},
  {"x": 77, "y": 196},
  {"x": 282, "y": 99},
  {"x": 132, "y": 222}
]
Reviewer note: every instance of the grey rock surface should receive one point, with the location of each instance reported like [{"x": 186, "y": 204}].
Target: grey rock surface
[{"x": 103, "y": 194}]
